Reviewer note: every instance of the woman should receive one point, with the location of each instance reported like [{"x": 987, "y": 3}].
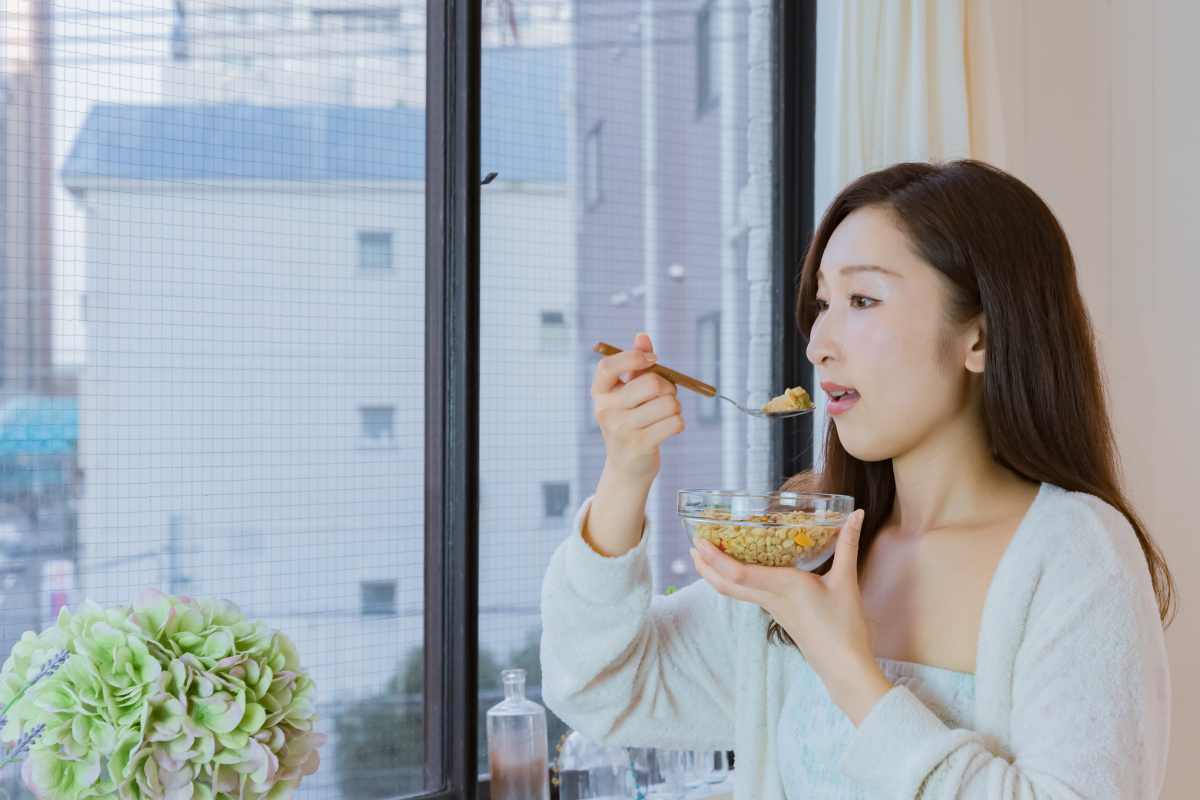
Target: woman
[{"x": 991, "y": 627}]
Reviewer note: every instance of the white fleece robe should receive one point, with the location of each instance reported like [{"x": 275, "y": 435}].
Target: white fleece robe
[{"x": 1072, "y": 689}]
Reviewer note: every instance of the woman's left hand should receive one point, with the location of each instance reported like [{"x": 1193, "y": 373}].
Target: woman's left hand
[{"x": 822, "y": 613}]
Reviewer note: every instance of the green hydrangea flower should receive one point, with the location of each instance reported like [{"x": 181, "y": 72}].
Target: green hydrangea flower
[{"x": 164, "y": 698}]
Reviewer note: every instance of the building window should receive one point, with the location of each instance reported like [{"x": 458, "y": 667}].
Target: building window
[
  {"x": 378, "y": 422},
  {"x": 592, "y": 176},
  {"x": 375, "y": 249},
  {"x": 708, "y": 356},
  {"x": 555, "y": 496},
  {"x": 379, "y": 598},
  {"x": 554, "y": 330},
  {"x": 705, "y": 89}
]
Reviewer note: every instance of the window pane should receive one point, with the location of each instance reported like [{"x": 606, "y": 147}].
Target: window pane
[
  {"x": 213, "y": 336},
  {"x": 675, "y": 243}
]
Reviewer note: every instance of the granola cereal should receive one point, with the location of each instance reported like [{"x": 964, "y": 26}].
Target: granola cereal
[
  {"x": 791, "y": 400},
  {"x": 779, "y": 539}
]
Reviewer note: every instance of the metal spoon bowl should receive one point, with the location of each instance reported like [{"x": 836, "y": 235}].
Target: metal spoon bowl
[
  {"x": 795, "y": 412},
  {"x": 679, "y": 379}
]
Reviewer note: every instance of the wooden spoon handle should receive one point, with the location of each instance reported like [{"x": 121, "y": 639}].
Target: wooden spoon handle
[{"x": 677, "y": 378}]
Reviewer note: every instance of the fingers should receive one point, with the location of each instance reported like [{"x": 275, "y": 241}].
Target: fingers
[
  {"x": 652, "y": 411},
  {"x": 731, "y": 577},
  {"x": 724, "y": 585},
  {"x": 644, "y": 412},
  {"x": 610, "y": 369},
  {"x": 641, "y": 343},
  {"x": 747, "y": 576},
  {"x": 659, "y": 432},
  {"x": 845, "y": 558},
  {"x": 641, "y": 413},
  {"x": 643, "y": 390}
]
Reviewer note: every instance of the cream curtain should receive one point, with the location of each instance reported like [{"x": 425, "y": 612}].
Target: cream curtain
[{"x": 914, "y": 80}]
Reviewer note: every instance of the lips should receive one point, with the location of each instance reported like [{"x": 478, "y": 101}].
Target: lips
[{"x": 841, "y": 398}]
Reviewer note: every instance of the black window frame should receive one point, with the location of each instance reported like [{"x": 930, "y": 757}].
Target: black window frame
[{"x": 452, "y": 304}]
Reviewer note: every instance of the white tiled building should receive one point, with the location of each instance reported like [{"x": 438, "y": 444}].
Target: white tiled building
[{"x": 251, "y": 421}]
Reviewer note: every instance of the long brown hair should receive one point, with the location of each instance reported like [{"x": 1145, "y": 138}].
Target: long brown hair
[{"x": 1001, "y": 253}]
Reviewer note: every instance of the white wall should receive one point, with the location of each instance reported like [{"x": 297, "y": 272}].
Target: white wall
[
  {"x": 232, "y": 339},
  {"x": 529, "y": 436},
  {"x": 1101, "y": 113}
]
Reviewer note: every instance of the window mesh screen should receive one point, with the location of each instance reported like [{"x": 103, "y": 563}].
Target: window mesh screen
[
  {"x": 632, "y": 145},
  {"x": 212, "y": 336}
]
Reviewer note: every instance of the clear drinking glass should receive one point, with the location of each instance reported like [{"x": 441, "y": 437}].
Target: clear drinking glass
[
  {"x": 717, "y": 767},
  {"x": 657, "y": 773},
  {"x": 517, "y": 748},
  {"x": 694, "y": 767},
  {"x": 589, "y": 771}
]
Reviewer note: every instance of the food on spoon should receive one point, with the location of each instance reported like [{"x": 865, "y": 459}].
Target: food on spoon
[
  {"x": 792, "y": 400},
  {"x": 774, "y": 540}
]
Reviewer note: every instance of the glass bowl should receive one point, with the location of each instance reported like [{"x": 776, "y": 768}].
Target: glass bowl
[{"x": 775, "y": 529}]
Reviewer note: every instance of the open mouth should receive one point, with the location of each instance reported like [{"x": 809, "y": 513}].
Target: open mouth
[{"x": 841, "y": 398}]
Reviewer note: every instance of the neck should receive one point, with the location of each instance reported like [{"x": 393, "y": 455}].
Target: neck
[{"x": 949, "y": 480}]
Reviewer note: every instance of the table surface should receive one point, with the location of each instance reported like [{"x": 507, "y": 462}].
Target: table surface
[{"x": 713, "y": 791}]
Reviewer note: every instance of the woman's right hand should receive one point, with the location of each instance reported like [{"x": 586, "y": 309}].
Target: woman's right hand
[{"x": 635, "y": 416}]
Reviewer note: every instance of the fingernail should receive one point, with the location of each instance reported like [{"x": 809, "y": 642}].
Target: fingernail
[
  {"x": 860, "y": 514},
  {"x": 651, "y": 357}
]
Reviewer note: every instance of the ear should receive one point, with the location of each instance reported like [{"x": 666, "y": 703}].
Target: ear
[{"x": 976, "y": 345}]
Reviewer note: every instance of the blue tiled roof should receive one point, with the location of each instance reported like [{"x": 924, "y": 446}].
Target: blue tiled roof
[{"x": 523, "y": 130}]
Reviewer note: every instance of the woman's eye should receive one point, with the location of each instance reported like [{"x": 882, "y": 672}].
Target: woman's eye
[
  {"x": 858, "y": 301},
  {"x": 818, "y": 305}
]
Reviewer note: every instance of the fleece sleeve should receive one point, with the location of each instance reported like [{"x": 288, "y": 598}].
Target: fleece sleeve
[
  {"x": 1090, "y": 716},
  {"x": 626, "y": 668}
]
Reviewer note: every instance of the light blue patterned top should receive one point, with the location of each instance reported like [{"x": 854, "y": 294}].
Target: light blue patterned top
[{"x": 813, "y": 731}]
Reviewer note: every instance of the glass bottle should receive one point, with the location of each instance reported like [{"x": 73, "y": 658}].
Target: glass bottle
[{"x": 517, "y": 751}]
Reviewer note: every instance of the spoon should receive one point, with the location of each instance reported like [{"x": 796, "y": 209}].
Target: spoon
[{"x": 679, "y": 379}]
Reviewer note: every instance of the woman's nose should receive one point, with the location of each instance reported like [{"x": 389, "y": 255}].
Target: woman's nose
[{"x": 822, "y": 341}]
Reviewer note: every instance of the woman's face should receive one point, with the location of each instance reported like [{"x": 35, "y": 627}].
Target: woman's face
[{"x": 879, "y": 343}]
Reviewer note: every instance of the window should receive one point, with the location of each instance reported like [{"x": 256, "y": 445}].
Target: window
[
  {"x": 708, "y": 356},
  {"x": 554, "y": 498},
  {"x": 705, "y": 89},
  {"x": 238, "y": 421},
  {"x": 375, "y": 250},
  {"x": 593, "y": 188},
  {"x": 225, "y": 358},
  {"x": 378, "y": 598},
  {"x": 378, "y": 422},
  {"x": 554, "y": 330},
  {"x": 632, "y": 226}
]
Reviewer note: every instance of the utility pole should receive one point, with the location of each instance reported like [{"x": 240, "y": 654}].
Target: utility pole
[
  {"x": 732, "y": 420},
  {"x": 756, "y": 211},
  {"x": 650, "y": 246}
]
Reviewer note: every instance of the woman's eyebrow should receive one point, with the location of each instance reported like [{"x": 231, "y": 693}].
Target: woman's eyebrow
[{"x": 851, "y": 268}]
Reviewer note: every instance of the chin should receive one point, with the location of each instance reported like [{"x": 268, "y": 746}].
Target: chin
[{"x": 863, "y": 443}]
